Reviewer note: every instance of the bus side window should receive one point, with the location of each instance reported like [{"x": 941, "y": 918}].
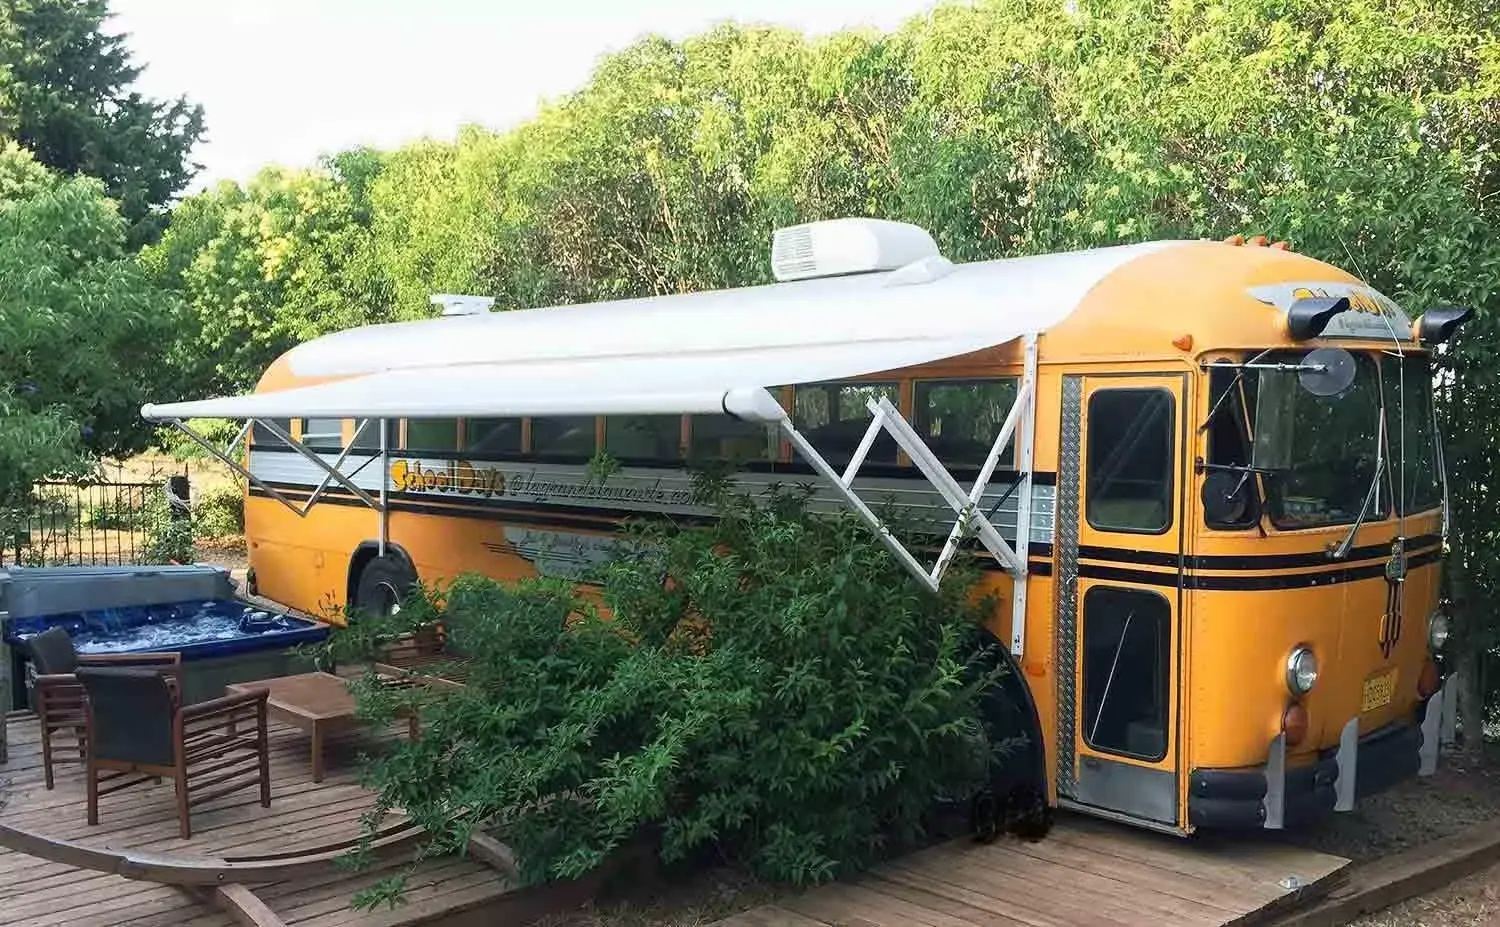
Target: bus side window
[
  {"x": 323, "y": 433},
  {"x": 723, "y": 437},
  {"x": 484, "y": 436},
  {"x": 563, "y": 436},
  {"x": 646, "y": 437},
  {"x": 261, "y": 437},
  {"x": 1229, "y": 430},
  {"x": 369, "y": 440},
  {"x": 432, "y": 434},
  {"x": 834, "y": 417},
  {"x": 959, "y": 419},
  {"x": 1130, "y": 460},
  {"x": 1126, "y": 663}
]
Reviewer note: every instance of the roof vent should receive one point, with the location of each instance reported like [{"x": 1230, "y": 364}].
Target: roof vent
[
  {"x": 455, "y": 304},
  {"x": 847, "y": 246}
]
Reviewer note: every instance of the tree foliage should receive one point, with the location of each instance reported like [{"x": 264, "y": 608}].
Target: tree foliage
[
  {"x": 81, "y": 327},
  {"x": 65, "y": 95}
]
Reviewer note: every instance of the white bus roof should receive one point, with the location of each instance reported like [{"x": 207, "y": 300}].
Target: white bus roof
[{"x": 706, "y": 352}]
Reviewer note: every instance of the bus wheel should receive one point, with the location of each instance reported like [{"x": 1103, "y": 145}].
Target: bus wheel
[{"x": 383, "y": 583}]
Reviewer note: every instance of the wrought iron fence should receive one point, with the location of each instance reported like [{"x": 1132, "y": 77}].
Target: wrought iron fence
[{"x": 79, "y": 524}]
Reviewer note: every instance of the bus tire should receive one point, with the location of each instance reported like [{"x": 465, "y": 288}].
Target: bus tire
[{"x": 382, "y": 584}]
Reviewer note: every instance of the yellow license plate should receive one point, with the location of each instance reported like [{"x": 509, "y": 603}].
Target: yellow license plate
[{"x": 1378, "y": 691}]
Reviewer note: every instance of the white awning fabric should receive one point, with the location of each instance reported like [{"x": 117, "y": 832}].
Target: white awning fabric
[{"x": 711, "y": 352}]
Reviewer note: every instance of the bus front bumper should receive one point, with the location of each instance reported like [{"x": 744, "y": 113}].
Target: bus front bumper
[{"x": 1275, "y": 796}]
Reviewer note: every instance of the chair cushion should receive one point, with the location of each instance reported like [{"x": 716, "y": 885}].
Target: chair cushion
[{"x": 132, "y": 711}]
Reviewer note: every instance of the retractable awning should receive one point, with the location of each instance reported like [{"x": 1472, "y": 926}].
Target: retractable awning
[{"x": 697, "y": 353}]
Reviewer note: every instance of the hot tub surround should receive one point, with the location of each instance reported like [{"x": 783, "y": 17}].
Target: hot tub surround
[{"x": 192, "y": 610}]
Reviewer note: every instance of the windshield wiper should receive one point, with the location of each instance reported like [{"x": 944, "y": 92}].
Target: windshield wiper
[{"x": 1342, "y": 549}]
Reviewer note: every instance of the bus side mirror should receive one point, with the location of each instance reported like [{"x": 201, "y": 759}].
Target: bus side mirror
[
  {"x": 1309, "y": 315},
  {"x": 1438, "y": 325},
  {"x": 1226, "y": 498}
]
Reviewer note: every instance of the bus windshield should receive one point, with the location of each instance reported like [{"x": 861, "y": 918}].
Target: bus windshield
[{"x": 1317, "y": 455}]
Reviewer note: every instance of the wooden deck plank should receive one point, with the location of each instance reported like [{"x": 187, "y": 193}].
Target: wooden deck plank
[
  {"x": 36, "y": 892},
  {"x": 1084, "y": 873}
]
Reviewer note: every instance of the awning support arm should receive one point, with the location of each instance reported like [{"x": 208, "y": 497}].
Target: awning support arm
[{"x": 226, "y": 456}]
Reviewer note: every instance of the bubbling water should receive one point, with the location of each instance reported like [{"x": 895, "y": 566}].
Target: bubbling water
[{"x": 166, "y": 627}]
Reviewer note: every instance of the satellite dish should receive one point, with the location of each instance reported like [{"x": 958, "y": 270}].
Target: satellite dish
[{"x": 1329, "y": 371}]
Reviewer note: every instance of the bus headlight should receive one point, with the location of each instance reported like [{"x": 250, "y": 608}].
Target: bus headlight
[
  {"x": 1301, "y": 670},
  {"x": 1438, "y": 630}
]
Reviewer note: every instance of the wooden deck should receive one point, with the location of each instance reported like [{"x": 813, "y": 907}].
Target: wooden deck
[
  {"x": 303, "y": 815},
  {"x": 1084, "y": 873}
]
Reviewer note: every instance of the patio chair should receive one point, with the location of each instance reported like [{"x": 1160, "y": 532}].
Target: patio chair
[
  {"x": 57, "y": 697},
  {"x": 210, "y": 749}
]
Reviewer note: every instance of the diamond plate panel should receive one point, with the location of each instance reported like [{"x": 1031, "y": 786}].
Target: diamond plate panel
[{"x": 1068, "y": 480}]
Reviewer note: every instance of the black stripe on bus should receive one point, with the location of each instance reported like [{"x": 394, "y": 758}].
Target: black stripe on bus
[
  {"x": 1242, "y": 583},
  {"x": 1248, "y": 561}
]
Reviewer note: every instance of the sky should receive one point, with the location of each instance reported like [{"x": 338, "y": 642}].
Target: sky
[{"x": 285, "y": 81}]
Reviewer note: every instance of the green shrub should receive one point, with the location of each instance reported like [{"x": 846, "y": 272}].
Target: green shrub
[
  {"x": 169, "y": 534},
  {"x": 771, "y": 687},
  {"x": 219, "y": 512}
]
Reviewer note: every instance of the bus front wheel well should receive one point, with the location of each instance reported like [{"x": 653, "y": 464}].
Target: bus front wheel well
[
  {"x": 1016, "y": 797},
  {"x": 378, "y": 580}
]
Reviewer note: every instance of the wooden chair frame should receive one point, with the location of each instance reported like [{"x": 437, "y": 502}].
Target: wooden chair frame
[
  {"x": 209, "y": 733},
  {"x": 58, "y": 701}
]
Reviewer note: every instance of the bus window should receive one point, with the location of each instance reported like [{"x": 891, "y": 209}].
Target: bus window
[
  {"x": 647, "y": 437},
  {"x": 1130, "y": 460},
  {"x": 1126, "y": 662},
  {"x": 1229, "y": 431},
  {"x": 432, "y": 434},
  {"x": 563, "y": 436},
  {"x": 326, "y": 433},
  {"x": 723, "y": 437},
  {"x": 484, "y": 436},
  {"x": 959, "y": 419},
  {"x": 262, "y": 437},
  {"x": 370, "y": 439},
  {"x": 834, "y": 417}
]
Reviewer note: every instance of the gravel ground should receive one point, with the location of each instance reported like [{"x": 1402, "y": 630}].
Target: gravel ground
[{"x": 1471, "y": 902}]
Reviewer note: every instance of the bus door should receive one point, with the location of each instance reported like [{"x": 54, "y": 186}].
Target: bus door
[{"x": 1119, "y": 560}]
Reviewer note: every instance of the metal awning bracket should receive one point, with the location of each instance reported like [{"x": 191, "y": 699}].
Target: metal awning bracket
[{"x": 333, "y": 473}]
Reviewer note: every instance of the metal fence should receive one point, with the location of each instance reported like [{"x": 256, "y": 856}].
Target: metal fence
[{"x": 79, "y": 524}]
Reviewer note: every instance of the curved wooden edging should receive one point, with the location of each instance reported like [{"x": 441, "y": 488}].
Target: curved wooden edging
[{"x": 173, "y": 869}]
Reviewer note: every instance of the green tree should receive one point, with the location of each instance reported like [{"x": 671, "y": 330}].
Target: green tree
[
  {"x": 81, "y": 327},
  {"x": 65, "y": 95},
  {"x": 264, "y": 267}
]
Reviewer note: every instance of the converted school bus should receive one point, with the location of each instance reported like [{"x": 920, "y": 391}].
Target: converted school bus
[{"x": 1218, "y": 463}]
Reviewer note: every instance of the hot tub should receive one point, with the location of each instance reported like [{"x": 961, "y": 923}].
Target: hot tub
[{"x": 192, "y": 610}]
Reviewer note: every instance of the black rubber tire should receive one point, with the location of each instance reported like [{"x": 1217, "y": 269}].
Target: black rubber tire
[{"x": 383, "y": 583}]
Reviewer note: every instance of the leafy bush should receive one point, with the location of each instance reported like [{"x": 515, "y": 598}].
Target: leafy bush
[
  {"x": 169, "y": 533},
  {"x": 770, "y": 687},
  {"x": 219, "y": 512}
]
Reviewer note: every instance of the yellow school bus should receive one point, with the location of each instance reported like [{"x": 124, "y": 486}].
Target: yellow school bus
[{"x": 1204, "y": 476}]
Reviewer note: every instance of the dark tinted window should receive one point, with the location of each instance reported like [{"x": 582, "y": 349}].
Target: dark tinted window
[
  {"x": 563, "y": 436},
  {"x": 1126, "y": 671},
  {"x": 370, "y": 439},
  {"x": 487, "y": 436},
  {"x": 432, "y": 434},
  {"x": 724, "y": 437},
  {"x": 649, "y": 437},
  {"x": 1130, "y": 460},
  {"x": 835, "y": 416},
  {"x": 261, "y": 436},
  {"x": 959, "y": 419}
]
